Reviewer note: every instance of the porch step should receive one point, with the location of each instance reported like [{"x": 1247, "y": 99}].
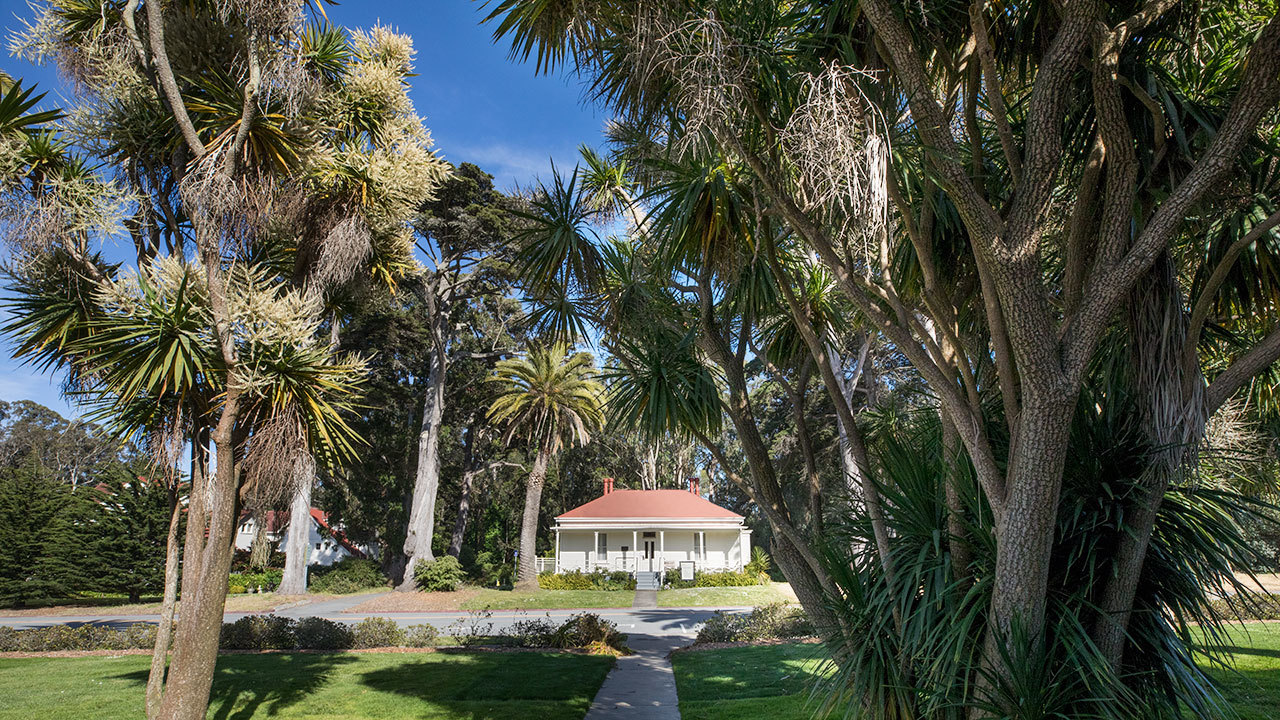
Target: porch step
[{"x": 646, "y": 580}]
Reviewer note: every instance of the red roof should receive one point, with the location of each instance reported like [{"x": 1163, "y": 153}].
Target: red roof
[{"x": 650, "y": 504}]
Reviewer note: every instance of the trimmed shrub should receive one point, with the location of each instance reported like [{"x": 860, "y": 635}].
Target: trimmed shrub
[
  {"x": 84, "y": 637},
  {"x": 445, "y": 574},
  {"x": 348, "y": 575},
  {"x": 242, "y": 582},
  {"x": 1248, "y": 606},
  {"x": 725, "y": 578},
  {"x": 377, "y": 632},
  {"x": 258, "y": 632},
  {"x": 770, "y": 622},
  {"x": 421, "y": 636},
  {"x": 534, "y": 633},
  {"x": 578, "y": 580},
  {"x": 588, "y": 630},
  {"x": 314, "y": 633}
]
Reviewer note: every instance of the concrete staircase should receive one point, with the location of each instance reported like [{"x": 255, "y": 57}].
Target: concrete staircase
[{"x": 646, "y": 580}]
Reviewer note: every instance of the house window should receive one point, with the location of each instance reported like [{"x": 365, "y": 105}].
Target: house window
[
  {"x": 698, "y": 549},
  {"x": 317, "y": 546},
  {"x": 602, "y": 546}
]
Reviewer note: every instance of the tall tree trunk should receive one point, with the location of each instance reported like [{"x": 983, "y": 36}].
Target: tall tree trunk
[
  {"x": 961, "y": 553},
  {"x": 1173, "y": 414},
  {"x": 294, "y": 580},
  {"x": 527, "y": 566},
  {"x": 426, "y": 484},
  {"x": 649, "y": 466},
  {"x": 464, "y": 497},
  {"x": 164, "y": 630}
]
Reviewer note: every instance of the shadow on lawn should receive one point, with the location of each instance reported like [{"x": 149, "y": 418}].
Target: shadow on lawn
[
  {"x": 244, "y": 684},
  {"x": 489, "y": 677}
]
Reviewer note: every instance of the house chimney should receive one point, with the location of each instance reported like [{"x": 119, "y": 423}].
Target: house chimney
[
  {"x": 693, "y": 485},
  {"x": 608, "y": 485}
]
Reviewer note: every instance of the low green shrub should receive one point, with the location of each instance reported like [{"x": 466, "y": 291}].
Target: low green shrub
[
  {"x": 421, "y": 636},
  {"x": 1249, "y": 606},
  {"x": 759, "y": 565},
  {"x": 592, "y": 632},
  {"x": 377, "y": 632},
  {"x": 348, "y": 575},
  {"x": 83, "y": 637},
  {"x": 769, "y": 622},
  {"x": 578, "y": 580},
  {"x": 444, "y": 574},
  {"x": 258, "y": 632},
  {"x": 241, "y": 582},
  {"x": 723, "y": 578},
  {"x": 314, "y": 633},
  {"x": 531, "y": 633}
]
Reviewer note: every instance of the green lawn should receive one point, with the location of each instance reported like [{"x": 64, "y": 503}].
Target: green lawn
[
  {"x": 548, "y": 599},
  {"x": 750, "y": 596},
  {"x": 331, "y": 685},
  {"x": 774, "y": 681}
]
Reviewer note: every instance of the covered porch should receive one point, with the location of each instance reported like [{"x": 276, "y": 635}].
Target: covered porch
[{"x": 609, "y": 548}]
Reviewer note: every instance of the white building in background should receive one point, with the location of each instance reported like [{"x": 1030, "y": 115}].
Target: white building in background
[
  {"x": 326, "y": 545},
  {"x": 649, "y": 532}
]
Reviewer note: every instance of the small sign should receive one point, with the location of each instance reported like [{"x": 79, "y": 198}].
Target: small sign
[{"x": 686, "y": 569}]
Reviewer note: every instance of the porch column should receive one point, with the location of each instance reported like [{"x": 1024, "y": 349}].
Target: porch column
[
  {"x": 743, "y": 549},
  {"x": 557, "y": 565},
  {"x": 635, "y": 551},
  {"x": 702, "y": 547},
  {"x": 662, "y": 551},
  {"x": 595, "y": 551}
]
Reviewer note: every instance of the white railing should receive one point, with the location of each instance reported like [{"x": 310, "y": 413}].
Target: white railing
[
  {"x": 544, "y": 564},
  {"x": 630, "y": 564}
]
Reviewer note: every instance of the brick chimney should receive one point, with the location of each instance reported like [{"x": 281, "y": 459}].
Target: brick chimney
[
  {"x": 693, "y": 485},
  {"x": 608, "y": 485}
]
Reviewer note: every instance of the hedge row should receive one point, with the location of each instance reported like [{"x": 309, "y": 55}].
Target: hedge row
[
  {"x": 724, "y": 578},
  {"x": 271, "y": 632},
  {"x": 578, "y": 580},
  {"x": 1249, "y": 606},
  {"x": 769, "y": 622},
  {"x": 242, "y": 582}
]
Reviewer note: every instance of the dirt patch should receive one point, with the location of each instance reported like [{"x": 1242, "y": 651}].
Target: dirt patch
[
  {"x": 248, "y": 603},
  {"x": 414, "y": 602}
]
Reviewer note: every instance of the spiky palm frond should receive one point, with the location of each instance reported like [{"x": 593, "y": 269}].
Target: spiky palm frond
[
  {"x": 559, "y": 247},
  {"x": 661, "y": 389},
  {"x": 549, "y": 397}
]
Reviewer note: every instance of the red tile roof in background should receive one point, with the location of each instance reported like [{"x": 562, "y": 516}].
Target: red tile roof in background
[{"x": 650, "y": 504}]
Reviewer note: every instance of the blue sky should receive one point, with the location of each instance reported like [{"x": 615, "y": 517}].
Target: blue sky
[{"x": 480, "y": 107}]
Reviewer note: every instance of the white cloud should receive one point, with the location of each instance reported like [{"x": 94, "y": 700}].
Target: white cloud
[{"x": 511, "y": 166}]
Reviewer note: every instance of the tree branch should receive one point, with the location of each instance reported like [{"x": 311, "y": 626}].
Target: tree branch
[{"x": 1242, "y": 370}]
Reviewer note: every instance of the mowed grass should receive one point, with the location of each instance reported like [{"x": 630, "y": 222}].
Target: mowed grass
[
  {"x": 749, "y": 596},
  {"x": 547, "y": 599},
  {"x": 775, "y": 681},
  {"x": 436, "y": 686}
]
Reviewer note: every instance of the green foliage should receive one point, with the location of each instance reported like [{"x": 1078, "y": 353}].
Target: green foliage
[
  {"x": 531, "y": 633},
  {"x": 759, "y": 565},
  {"x": 267, "y": 580},
  {"x": 1248, "y": 606},
  {"x": 259, "y": 632},
  {"x": 315, "y": 633},
  {"x": 88, "y": 636},
  {"x": 722, "y": 578},
  {"x": 348, "y": 575},
  {"x": 444, "y": 574},
  {"x": 41, "y": 536},
  {"x": 595, "y": 580},
  {"x": 421, "y": 636},
  {"x": 769, "y": 622},
  {"x": 129, "y": 519},
  {"x": 590, "y": 631},
  {"x": 377, "y": 632}
]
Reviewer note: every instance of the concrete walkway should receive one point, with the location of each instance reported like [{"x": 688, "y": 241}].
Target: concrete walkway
[
  {"x": 642, "y": 685},
  {"x": 645, "y": 600}
]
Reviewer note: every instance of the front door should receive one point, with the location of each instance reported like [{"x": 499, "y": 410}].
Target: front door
[{"x": 650, "y": 551}]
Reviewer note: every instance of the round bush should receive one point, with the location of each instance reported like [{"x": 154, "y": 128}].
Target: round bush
[
  {"x": 421, "y": 636},
  {"x": 314, "y": 633},
  {"x": 258, "y": 632},
  {"x": 443, "y": 575},
  {"x": 347, "y": 576},
  {"x": 377, "y": 632}
]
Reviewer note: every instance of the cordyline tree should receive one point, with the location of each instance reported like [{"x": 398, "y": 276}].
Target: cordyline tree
[
  {"x": 995, "y": 190},
  {"x": 255, "y": 161}
]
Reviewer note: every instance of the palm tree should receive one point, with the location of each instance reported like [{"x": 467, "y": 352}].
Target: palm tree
[{"x": 553, "y": 400}]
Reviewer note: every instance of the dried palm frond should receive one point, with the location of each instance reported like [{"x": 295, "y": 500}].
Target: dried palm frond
[{"x": 272, "y": 455}]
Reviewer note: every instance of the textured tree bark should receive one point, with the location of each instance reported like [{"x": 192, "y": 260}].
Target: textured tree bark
[
  {"x": 294, "y": 581},
  {"x": 164, "y": 630},
  {"x": 1173, "y": 415},
  {"x": 961, "y": 554},
  {"x": 426, "y": 484},
  {"x": 526, "y": 565},
  {"x": 464, "y": 499}
]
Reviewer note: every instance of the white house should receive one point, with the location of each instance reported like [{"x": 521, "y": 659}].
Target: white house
[
  {"x": 649, "y": 531},
  {"x": 326, "y": 545}
]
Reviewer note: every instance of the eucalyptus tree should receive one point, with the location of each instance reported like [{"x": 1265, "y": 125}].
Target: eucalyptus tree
[
  {"x": 551, "y": 400},
  {"x": 253, "y": 169},
  {"x": 1051, "y": 154}
]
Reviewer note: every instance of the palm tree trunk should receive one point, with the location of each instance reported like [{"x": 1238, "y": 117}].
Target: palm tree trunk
[
  {"x": 294, "y": 580},
  {"x": 426, "y": 484},
  {"x": 164, "y": 631},
  {"x": 527, "y": 567}
]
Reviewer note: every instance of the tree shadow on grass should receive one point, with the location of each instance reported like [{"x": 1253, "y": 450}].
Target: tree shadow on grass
[
  {"x": 484, "y": 681},
  {"x": 245, "y": 684}
]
